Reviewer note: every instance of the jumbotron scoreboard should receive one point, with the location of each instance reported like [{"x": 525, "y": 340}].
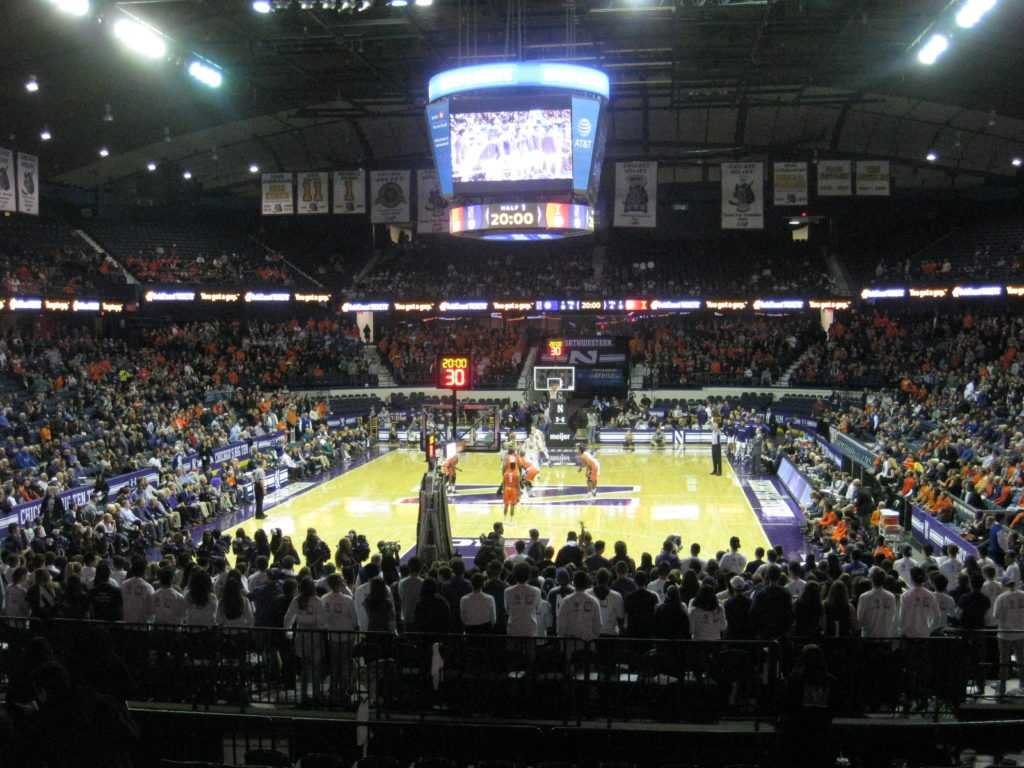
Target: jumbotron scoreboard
[
  {"x": 522, "y": 221},
  {"x": 519, "y": 147}
]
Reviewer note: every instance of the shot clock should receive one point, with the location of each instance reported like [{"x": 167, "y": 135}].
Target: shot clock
[{"x": 454, "y": 372}]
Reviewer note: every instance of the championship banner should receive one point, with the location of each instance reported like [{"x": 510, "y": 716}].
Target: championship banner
[
  {"x": 636, "y": 194},
  {"x": 28, "y": 184},
  {"x": 277, "y": 194},
  {"x": 389, "y": 197},
  {"x": 834, "y": 178},
  {"x": 742, "y": 195},
  {"x": 350, "y": 191},
  {"x": 8, "y": 201},
  {"x": 789, "y": 186},
  {"x": 432, "y": 207},
  {"x": 312, "y": 187},
  {"x": 873, "y": 177}
]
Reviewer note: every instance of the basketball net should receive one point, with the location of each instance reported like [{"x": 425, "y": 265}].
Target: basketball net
[{"x": 553, "y": 389}]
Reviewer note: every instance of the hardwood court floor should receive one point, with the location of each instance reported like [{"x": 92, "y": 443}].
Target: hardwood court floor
[{"x": 643, "y": 497}]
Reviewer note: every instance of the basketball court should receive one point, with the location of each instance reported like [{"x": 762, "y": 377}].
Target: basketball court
[{"x": 643, "y": 497}]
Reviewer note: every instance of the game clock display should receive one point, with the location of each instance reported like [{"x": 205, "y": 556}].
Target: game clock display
[
  {"x": 549, "y": 219},
  {"x": 454, "y": 372}
]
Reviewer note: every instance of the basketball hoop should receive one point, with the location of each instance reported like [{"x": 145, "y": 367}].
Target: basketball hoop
[{"x": 554, "y": 387}]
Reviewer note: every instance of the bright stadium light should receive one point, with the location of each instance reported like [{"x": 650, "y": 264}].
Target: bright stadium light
[
  {"x": 423, "y": 3},
  {"x": 150, "y": 166},
  {"x": 1015, "y": 162},
  {"x": 45, "y": 134},
  {"x": 254, "y": 168},
  {"x": 73, "y": 7},
  {"x": 140, "y": 38},
  {"x": 104, "y": 151},
  {"x": 972, "y": 12},
  {"x": 261, "y": 6},
  {"x": 206, "y": 74},
  {"x": 32, "y": 85},
  {"x": 931, "y": 157},
  {"x": 935, "y": 47},
  {"x": 399, "y": 3},
  {"x": 186, "y": 175}
]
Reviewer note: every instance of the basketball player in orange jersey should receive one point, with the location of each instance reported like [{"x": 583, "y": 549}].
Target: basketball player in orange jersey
[
  {"x": 510, "y": 491},
  {"x": 530, "y": 471},
  {"x": 590, "y": 464},
  {"x": 448, "y": 468}
]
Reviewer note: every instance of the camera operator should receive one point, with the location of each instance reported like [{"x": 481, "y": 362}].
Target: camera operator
[{"x": 390, "y": 552}]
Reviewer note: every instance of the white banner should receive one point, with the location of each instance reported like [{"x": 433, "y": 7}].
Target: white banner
[
  {"x": 636, "y": 194},
  {"x": 350, "y": 191},
  {"x": 389, "y": 197},
  {"x": 312, "y": 186},
  {"x": 432, "y": 207},
  {"x": 834, "y": 178},
  {"x": 28, "y": 184},
  {"x": 790, "y": 184},
  {"x": 8, "y": 201},
  {"x": 742, "y": 195},
  {"x": 278, "y": 199},
  {"x": 873, "y": 177}
]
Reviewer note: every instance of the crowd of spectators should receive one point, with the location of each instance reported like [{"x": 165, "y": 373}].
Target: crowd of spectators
[
  {"x": 984, "y": 248},
  {"x": 720, "y": 269},
  {"x": 458, "y": 271},
  {"x": 47, "y": 258},
  {"x": 80, "y": 409},
  {"x": 754, "y": 351},
  {"x": 411, "y": 348},
  {"x": 196, "y": 253}
]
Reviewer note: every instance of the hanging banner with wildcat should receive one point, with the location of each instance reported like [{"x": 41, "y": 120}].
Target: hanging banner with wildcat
[
  {"x": 28, "y": 184},
  {"x": 742, "y": 196},
  {"x": 350, "y": 191},
  {"x": 8, "y": 197},
  {"x": 312, "y": 189},
  {"x": 790, "y": 185},
  {"x": 636, "y": 194},
  {"x": 278, "y": 194},
  {"x": 432, "y": 207}
]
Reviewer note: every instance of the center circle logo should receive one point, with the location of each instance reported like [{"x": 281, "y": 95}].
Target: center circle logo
[{"x": 583, "y": 127}]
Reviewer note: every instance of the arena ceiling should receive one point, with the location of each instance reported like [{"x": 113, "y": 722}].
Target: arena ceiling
[{"x": 693, "y": 82}]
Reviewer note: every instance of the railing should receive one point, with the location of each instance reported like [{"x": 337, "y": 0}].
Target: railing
[{"x": 476, "y": 676}]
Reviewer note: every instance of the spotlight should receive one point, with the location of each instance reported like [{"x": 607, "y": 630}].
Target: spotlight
[
  {"x": 399, "y": 3},
  {"x": 254, "y": 168},
  {"x": 261, "y": 6},
  {"x": 205, "y": 74},
  {"x": 364, "y": 5},
  {"x": 104, "y": 151},
  {"x": 424, "y": 3},
  {"x": 186, "y": 175},
  {"x": 1015, "y": 162},
  {"x": 972, "y": 12},
  {"x": 935, "y": 47},
  {"x": 151, "y": 166},
  {"x": 140, "y": 39},
  {"x": 931, "y": 157},
  {"x": 108, "y": 114},
  {"x": 32, "y": 85},
  {"x": 45, "y": 134},
  {"x": 74, "y": 7}
]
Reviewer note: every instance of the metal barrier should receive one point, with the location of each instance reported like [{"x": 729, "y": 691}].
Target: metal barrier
[{"x": 476, "y": 676}]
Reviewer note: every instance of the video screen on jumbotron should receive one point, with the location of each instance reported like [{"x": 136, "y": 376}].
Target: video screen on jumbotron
[
  {"x": 528, "y": 145},
  {"x": 500, "y": 146}
]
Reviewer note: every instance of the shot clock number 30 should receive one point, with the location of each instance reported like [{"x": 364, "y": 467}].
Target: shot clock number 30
[{"x": 455, "y": 372}]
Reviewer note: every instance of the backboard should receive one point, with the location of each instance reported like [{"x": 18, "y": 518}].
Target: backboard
[{"x": 546, "y": 376}]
